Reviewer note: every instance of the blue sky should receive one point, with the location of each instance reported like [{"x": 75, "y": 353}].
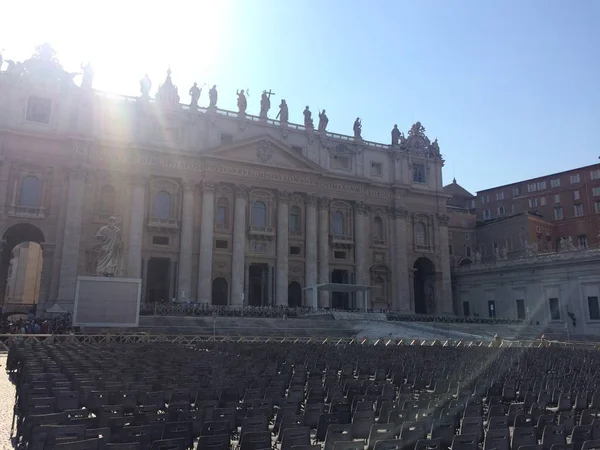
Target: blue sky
[{"x": 510, "y": 88}]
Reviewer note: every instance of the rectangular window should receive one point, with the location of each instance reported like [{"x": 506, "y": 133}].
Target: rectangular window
[
  {"x": 576, "y": 195},
  {"x": 558, "y": 213},
  {"x": 38, "y": 109},
  {"x": 487, "y": 214},
  {"x": 578, "y": 210},
  {"x": 593, "y": 308},
  {"x": 221, "y": 244},
  {"x": 226, "y": 139},
  {"x": 542, "y": 201},
  {"x": 419, "y": 173},
  {"x": 556, "y": 198},
  {"x": 467, "y": 236},
  {"x": 595, "y": 174},
  {"x": 499, "y": 195},
  {"x": 297, "y": 149},
  {"x": 596, "y": 191},
  {"x": 517, "y": 191},
  {"x": 466, "y": 309},
  {"x": 341, "y": 162},
  {"x": 597, "y": 207},
  {"x": 376, "y": 169},
  {"x": 533, "y": 202},
  {"x": 160, "y": 240},
  {"x": 512, "y": 208},
  {"x": 520, "y": 308},
  {"x": 295, "y": 250},
  {"x": 582, "y": 241},
  {"x": 554, "y": 309},
  {"x": 501, "y": 210},
  {"x": 555, "y": 183},
  {"x": 339, "y": 254},
  {"x": 575, "y": 179},
  {"x": 531, "y": 187},
  {"x": 492, "y": 308},
  {"x": 485, "y": 199}
]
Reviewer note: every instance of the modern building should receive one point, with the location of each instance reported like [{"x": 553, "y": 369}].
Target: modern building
[{"x": 216, "y": 206}]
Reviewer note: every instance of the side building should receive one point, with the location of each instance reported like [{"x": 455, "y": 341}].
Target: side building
[{"x": 215, "y": 206}]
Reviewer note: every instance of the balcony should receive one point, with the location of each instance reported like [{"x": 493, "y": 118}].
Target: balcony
[
  {"x": 423, "y": 248},
  {"x": 294, "y": 233},
  {"x": 377, "y": 242},
  {"x": 28, "y": 212},
  {"x": 103, "y": 217},
  {"x": 257, "y": 231},
  {"x": 161, "y": 224},
  {"x": 338, "y": 240}
]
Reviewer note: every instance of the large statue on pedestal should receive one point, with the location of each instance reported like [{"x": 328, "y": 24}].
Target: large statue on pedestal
[
  {"x": 283, "y": 114},
  {"x": 111, "y": 249},
  {"x": 323, "y": 121},
  {"x": 357, "y": 129},
  {"x": 242, "y": 103}
]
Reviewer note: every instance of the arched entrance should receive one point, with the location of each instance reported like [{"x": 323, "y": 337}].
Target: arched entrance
[
  {"x": 294, "y": 295},
  {"x": 21, "y": 246},
  {"x": 424, "y": 286},
  {"x": 220, "y": 292}
]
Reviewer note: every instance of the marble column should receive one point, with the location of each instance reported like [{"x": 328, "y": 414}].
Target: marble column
[
  {"x": 402, "y": 300},
  {"x": 445, "y": 297},
  {"x": 136, "y": 228},
  {"x": 186, "y": 242},
  {"x": 72, "y": 236},
  {"x": 310, "y": 259},
  {"x": 281, "y": 278},
  {"x": 144, "y": 279},
  {"x": 207, "y": 228},
  {"x": 360, "y": 252},
  {"x": 239, "y": 245},
  {"x": 323, "y": 250}
]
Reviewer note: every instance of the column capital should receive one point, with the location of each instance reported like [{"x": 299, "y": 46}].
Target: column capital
[
  {"x": 139, "y": 179},
  {"x": 78, "y": 172},
  {"x": 311, "y": 199},
  {"x": 208, "y": 186},
  {"x": 324, "y": 202},
  {"x": 283, "y": 196},
  {"x": 443, "y": 219},
  {"x": 360, "y": 208},
  {"x": 188, "y": 186},
  {"x": 241, "y": 190},
  {"x": 398, "y": 213}
]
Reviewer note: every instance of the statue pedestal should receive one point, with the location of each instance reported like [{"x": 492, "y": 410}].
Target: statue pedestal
[{"x": 107, "y": 302}]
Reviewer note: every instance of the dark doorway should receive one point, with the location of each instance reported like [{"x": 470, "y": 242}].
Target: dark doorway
[
  {"x": 258, "y": 285},
  {"x": 158, "y": 280},
  {"x": 466, "y": 309},
  {"x": 15, "y": 235},
  {"x": 294, "y": 295},
  {"x": 340, "y": 300},
  {"x": 424, "y": 286},
  {"x": 220, "y": 292}
]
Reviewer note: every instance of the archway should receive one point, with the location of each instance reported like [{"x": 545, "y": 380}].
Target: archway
[
  {"x": 465, "y": 262},
  {"x": 424, "y": 286},
  {"x": 294, "y": 295},
  {"x": 220, "y": 292},
  {"x": 22, "y": 247}
]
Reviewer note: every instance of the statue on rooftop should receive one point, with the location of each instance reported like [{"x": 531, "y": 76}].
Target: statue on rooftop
[
  {"x": 145, "y": 86},
  {"x": 308, "y": 122},
  {"x": 111, "y": 249},
  {"x": 212, "y": 97},
  {"x": 435, "y": 148},
  {"x": 195, "y": 93},
  {"x": 88, "y": 76},
  {"x": 395, "y": 135},
  {"x": 323, "y": 121},
  {"x": 242, "y": 103},
  {"x": 265, "y": 103},
  {"x": 357, "y": 128},
  {"x": 283, "y": 114}
]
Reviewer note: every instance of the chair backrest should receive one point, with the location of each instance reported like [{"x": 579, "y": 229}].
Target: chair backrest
[
  {"x": 428, "y": 444},
  {"x": 523, "y": 436},
  {"x": 88, "y": 444},
  {"x": 169, "y": 444},
  {"x": 464, "y": 442},
  {"x": 214, "y": 442},
  {"x": 591, "y": 445},
  {"x": 294, "y": 437},
  {"x": 390, "y": 444},
  {"x": 497, "y": 439}
]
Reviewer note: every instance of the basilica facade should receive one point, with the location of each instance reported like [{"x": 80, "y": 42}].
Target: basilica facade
[{"x": 215, "y": 206}]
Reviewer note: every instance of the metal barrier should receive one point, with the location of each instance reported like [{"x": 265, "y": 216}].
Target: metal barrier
[{"x": 6, "y": 340}]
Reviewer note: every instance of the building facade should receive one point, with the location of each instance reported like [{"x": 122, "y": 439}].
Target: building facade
[
  {"x": 23, "y": 280},
  {"x": 216, "y": 206}
]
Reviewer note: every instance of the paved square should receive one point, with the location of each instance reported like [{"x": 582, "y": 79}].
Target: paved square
[{"x": 7, "y": 401}]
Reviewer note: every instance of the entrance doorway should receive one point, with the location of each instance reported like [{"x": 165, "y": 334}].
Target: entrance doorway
[
  {"x": 220, "y": 292},
  {"x": 340, "y": 300},
  {"x": 258, "y": 286},
  {"x": 21, "y": 265},
  {"x": 158, "y": 281},
  {"x": 294, "y": 295},
  {"x": 424, "y": 286}
]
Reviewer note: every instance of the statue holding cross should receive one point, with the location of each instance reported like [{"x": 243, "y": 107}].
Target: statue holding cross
[{"x": 265, "y": 103}]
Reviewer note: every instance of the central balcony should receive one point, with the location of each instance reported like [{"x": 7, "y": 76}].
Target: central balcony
[
  {"x": 264, "y": 232},
  {"x": 27, "y": 212},
  {"x": 162, "y": 224},
  {"x": 341, "y": 241}
]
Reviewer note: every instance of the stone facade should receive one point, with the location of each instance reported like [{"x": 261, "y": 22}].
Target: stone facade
[{"x": 215, "y": 206}]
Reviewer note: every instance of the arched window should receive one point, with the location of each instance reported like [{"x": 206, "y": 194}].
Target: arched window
[
  {"x": 295, "y": 215},
  {"x": 378, "y": 228},
  {"x": 222, "y": 213},
  {"x": 107, "y": 199},
  {"x": 29, "y": 192},
  {"x": 339, "y": 224},
  {"x": 421, "y": 234},
  {"x": 162, "y": 205},
  {"x": 259, "y": 214}
]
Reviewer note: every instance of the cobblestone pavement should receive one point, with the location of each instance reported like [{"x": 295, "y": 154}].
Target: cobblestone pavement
[{"x": 7, "y": 401}]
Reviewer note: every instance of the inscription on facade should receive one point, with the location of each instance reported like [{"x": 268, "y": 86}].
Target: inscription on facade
[{"x": 219, "y": 168}]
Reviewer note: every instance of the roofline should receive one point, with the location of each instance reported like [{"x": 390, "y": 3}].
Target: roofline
[{"x": 538, "y": 178}]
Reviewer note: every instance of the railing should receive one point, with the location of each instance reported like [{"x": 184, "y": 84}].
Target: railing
[
  {"x": 295, "y": 233},
  {"x": 409, "y": 317},
  {"x": 7, "y": 340},
  {"x": 267, "y": 231},
  {"x": 27, "y": 211},
  {"x": 207, "y": 310},
  {"x": 341, "y": 239},
  {"x": 423, "y": 248},
  {"x": 377, "y": 241},
  {"x": 156, "y": 222}
]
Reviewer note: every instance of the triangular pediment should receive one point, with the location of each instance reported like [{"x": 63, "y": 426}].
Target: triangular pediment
[{"x": 264, "y": 151}]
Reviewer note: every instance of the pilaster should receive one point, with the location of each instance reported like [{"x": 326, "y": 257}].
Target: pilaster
[
  {"x": 281, "y": 282},
  {"x": 402, "y": 299},
  {"x": 445, "y": 298},
  {"x": 360, "y": 250},
  {"x": 311, "y": 258},
  {"x": 136, "y": 226},
  {"x": 186, "y": 241},
  {"x": 239, "y": 244},
  {"x": 205, "y": 262},
  {"x": 323, "y": 250}
]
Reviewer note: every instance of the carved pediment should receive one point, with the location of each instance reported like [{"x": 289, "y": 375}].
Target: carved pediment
[{"x": 265, "y": 151}]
